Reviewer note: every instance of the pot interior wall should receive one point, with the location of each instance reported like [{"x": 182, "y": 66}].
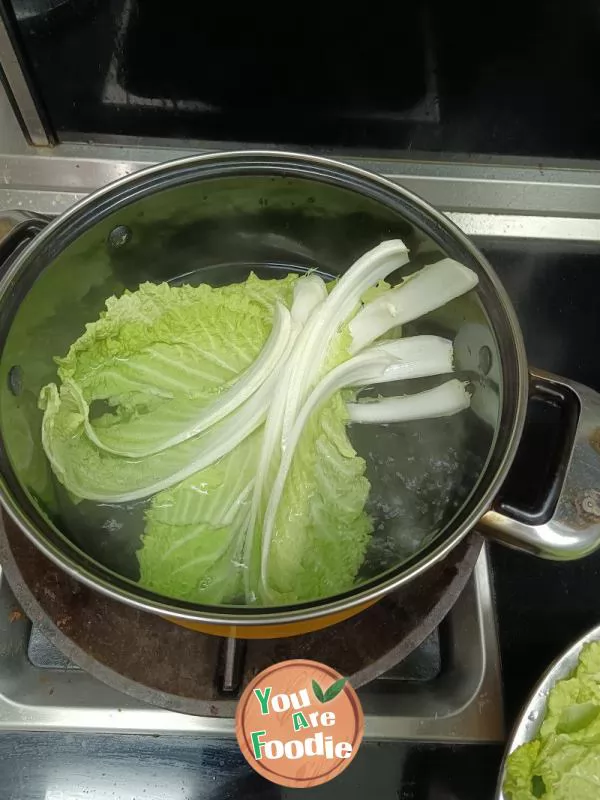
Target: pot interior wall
[{"x": 192, "y": 227}]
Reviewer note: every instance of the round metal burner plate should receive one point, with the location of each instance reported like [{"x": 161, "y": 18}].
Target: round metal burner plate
[{"x": 172, "y": 667}]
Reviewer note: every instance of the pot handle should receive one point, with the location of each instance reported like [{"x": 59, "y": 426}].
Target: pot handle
[
  {"x": 563, "y": 522},
  {"x": 16, "y": 229}
]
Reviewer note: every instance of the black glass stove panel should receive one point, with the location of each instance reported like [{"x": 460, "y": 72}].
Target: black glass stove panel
[
  {"x": 543, "y": 606},
  {"x": 514, "y": 78},
  {"x": 555, "y": 288}
]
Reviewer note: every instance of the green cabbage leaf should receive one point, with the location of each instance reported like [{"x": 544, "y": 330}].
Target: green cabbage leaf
[
  {"x": 154, "y": 359},
  {"x": 563, "y": 761}
]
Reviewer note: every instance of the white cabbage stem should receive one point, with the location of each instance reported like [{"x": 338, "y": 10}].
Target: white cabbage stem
[
  {"x": 413, "y": 357},
  {"x": 422, "y": 292},
  {"x": 312, "y": 345},
  {"x": 445, "y": 400},
  {"x": 309, "y": 294}
]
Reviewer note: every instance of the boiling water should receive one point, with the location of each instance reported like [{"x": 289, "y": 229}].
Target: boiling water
[{"x": 420, "y": 472}]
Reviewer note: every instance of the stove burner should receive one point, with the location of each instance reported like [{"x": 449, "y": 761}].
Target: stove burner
[{"x": 173, "y": 667}]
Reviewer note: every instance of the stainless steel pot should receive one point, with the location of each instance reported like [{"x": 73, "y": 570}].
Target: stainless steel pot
[{"x": 214, "y": 212}]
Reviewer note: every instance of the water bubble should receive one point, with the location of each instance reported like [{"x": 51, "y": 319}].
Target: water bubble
[
  {"x": 119, "y": 236},
  {"x": 15, "y": 380}
]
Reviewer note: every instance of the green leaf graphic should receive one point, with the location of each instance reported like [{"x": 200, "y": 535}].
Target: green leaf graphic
[
  {"x": 334, "y": 689},
  {"x": 318, "y": 692}
]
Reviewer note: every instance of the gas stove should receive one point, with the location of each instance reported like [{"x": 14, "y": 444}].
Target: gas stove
[
  {"x": 448, "y": 689},
  {"x": 539, "y": 228}
]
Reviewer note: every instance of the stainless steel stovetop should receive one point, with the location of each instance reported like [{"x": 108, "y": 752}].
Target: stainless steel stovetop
[{"x": 449, "y": 689}]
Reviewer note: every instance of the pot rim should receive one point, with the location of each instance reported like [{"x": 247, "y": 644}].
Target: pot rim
[{"x": 372, "y": 590}]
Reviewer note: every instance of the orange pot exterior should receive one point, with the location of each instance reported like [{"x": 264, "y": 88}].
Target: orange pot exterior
[{"x": 272, "y": 631}]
